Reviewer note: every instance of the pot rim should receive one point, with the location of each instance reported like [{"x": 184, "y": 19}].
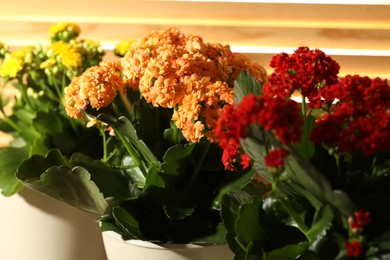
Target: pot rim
[{"x": 154, "y": 245}]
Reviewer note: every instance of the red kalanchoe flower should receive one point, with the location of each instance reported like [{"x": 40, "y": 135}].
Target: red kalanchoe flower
[
  {"x": 280, "y": 116},
  {"x": 354, "y": 248},
  {"x": 230, "y": 150},
  {"x": 360, "y": 220},
  {"x": 245, "y": 161},
  {"x": 275, "y": 158},
  {"x": 306, "y": 71},
  {"x": 360, "y": 120}
]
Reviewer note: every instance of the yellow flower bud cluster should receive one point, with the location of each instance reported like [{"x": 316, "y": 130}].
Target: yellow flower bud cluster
[
  {"x": 64, "y": 31},
  {"x": 123, "y": 46},
  {"x": 14, "y": 63},
  {"x": 3, "y": 50},
  {"x": 51, "y": 67}
]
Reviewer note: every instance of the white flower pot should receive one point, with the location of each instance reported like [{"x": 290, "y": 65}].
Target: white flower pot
[
  {"x": 36, "y": 227},
  {"x": 118, "y": 249}
]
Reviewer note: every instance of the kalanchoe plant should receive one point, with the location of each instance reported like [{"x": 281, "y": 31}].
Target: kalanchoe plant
[
  {"x": 33, "y": 114},
  {"x": 323, "y": 165},
  {"x": 160, "y": 177}
]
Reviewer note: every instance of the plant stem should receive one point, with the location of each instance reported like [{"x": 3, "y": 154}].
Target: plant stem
[
  {"x": 291, "y": 212},
  {"x": 303, "y": 106},
  {"x": 132, "y": 153},
  {"x": 56, "y": 87},
  {"x": 10, "y": 122},
  {"x": 301, "y": 225},
  {"x": 175, "y": 130},
  {"x": 25, "y": 97},
  {"x": 199, "y": 164},
  {"x": 103, "y": 133}
]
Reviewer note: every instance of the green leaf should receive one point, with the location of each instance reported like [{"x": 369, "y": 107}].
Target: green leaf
[
  {"x": 216, "y": 238},
  {"x": 108, "y": 224},
  {"x": 24, "y": 115},
  {"x": 124, "y": 126},
  {"x": 10, "y": 158},
  {"x": 321, "y": 223},
  {"x": 235, "y": 184},
  {"x": 182, "y": 168},
  {"x": 37, "y": 164},
  {"x": 127, "y": 223},
  {"x": 286, "y": 252},
  {"x": 112, "y": 182},
  {"x": 88, "y": 188},
  {"x": 150, "y": 122},
  {"x": 305, "y": 147},
  {"x": 283, "y": 208},
  {"x": 244, "y": 85},
  {"x": 305, "y": 175},
  {"x": 176, "y": 161},
  {"x": 254, "y": 151},
  {"x": 248, "y": 226},
  {"x": 73, "y": 187},
  {"x": 231, "y": 204},
  {"x": 134, "y": 172},
  {"x": 43, "y": 120},
  {"x": 178, "y": 213}
]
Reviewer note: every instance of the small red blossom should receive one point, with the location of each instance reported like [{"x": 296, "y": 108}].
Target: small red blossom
[
  {"x": 360, "y": 220},
  {"x": 245, "y": 161},
  {"x": 354, "y": 248},
  {"x": 230, "y": 151},
  {"x": 275, "y": 158}
]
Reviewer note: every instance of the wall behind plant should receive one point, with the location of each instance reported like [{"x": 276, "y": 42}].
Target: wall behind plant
[{"x": 356, "y": 33}]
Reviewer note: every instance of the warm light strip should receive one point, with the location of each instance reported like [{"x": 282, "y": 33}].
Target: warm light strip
[
  {"x": 347, "y": 2},
  {"x": 270, "y": 50},
  {"x": 266, "y": 23},
  {"x": 329, "y": 51},
  {"x": 249, "y": 49}
]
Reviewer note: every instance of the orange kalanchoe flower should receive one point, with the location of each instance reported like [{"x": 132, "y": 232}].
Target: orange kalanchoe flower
[
  {"x": 173, "y": 69},
  {"x": 96, "y": 87}
]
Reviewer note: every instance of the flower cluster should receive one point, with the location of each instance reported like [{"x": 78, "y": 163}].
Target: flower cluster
[
  {"x": 57, "y": 63},
  {"x": 328, "y": 155},
  {"x": 64, "y": 31},
  {"x": 39, "y": 74},
  {"x": 360, "y": 119},
  {"x": 357, "y": 223},
  {"x": 176, "y": 70},
  {"x": 173, "y": 69},
  {"x": 235, "y": 123},
  {"x": 96, "y": 87},
  {"x": 159, "y": 175},
  {"x": 306, "y": 71}
]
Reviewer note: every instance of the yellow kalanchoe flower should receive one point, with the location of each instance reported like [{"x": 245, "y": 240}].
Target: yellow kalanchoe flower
[
  {"x": 11, "y": 66},
  {"x": 48, "y": 64},
  {"x": 14, "y": 62},
  {"x": 25, "y": 54},
  {"x": 90, "y": 45},
  {"x": 69, "y": 55},
  {"x": 122, "y": 47},
  {"x": 64, "y": 31}
]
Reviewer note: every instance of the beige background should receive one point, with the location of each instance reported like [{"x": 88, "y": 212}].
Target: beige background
[{"x": 356, "y": 35}]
